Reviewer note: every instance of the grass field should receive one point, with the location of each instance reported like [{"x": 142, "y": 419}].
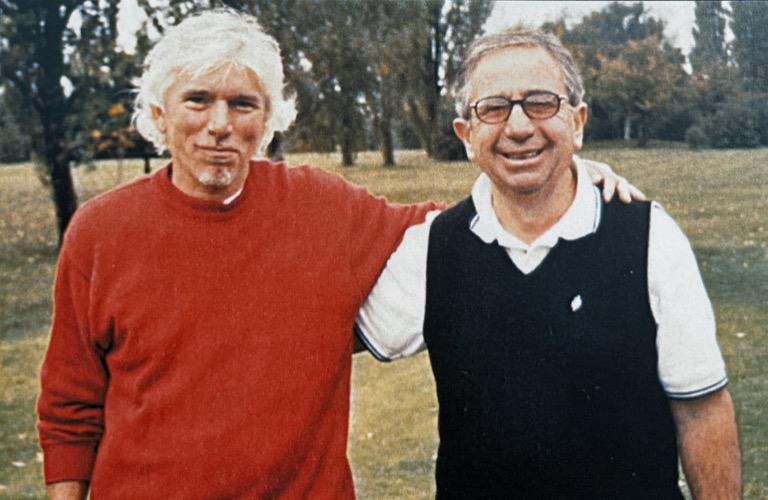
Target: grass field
[{"x": 717, "y": 197}]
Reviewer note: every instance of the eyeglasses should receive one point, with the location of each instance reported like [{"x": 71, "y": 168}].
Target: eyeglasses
[{"x": 537, "y": 106}]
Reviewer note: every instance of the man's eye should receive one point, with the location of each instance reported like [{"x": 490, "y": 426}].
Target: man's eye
[
  {"x": 195, "y": 99},
  {"x": 245, "y": 104}
]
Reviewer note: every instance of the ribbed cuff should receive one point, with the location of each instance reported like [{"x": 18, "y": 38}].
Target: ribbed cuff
[{"x": 68, "y": 462}]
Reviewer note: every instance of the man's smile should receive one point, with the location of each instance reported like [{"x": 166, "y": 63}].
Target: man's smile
[{"x": 526, "y": 155}]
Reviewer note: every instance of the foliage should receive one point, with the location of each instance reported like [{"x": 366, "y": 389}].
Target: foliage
[
  {"x": 14, "y": 144},
  {"x": 360, "y": 66},
  {"x": 64, "y": 76},
  {"x": 750, "y": 45},
  {"x": 709, "y": 52},
  {"x": 631, "y": 73},
  {"x": 637, "y": 84},
  {"x": 739, "y": 121},
  {"x": 444, "y": 32}
]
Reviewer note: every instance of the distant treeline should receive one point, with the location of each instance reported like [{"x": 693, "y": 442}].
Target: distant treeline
[{"x": 373, "y": 75}]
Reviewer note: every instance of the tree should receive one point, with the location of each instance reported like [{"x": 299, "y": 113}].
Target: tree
[
  {"x": 14, "y": 144},
  {"x": 361, "y": 65},
  {"x": 630, "y": 72},
  {"x": 750, "y": 45},
  {"x": 444, "y": 31},
  {"x": 57, "y": 72},
  {"x": 709, "y": 52},
  {"x": 638, "y": 83},
  {"x": 389, "y": 28}
]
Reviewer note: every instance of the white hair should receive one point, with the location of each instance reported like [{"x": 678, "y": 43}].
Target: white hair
[{"x": 204, "y": 42}]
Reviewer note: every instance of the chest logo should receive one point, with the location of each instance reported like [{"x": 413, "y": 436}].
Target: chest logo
[{"x": 576, "y": 303}]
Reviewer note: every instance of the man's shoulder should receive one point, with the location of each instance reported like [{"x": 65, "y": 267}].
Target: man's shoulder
[
  {"x": 104, "y": 211},
  {"x": 122, "y": 196},
  {"x": 618, "y": 212},
  {"x": 306, "y": 183},
  {"x": 463, "y": 211},
  {"x": 297, "y": 174}
]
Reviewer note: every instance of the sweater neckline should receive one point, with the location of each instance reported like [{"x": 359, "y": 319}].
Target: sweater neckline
[{"x": 199, "y": 208}]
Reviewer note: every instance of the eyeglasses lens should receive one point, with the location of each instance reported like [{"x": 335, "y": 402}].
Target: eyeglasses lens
[{"x": 537, "y": 106}]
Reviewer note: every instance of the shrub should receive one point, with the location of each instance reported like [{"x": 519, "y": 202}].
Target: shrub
[{"x": 696, "y": 137}]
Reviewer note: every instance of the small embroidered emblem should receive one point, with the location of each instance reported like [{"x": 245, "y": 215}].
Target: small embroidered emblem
[{"x": 576, "y": 303}]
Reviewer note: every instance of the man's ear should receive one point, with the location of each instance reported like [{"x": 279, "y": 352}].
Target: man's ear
[
  {"x": 158, "y": 116},
  {"x": 463, "y": 131},
  {"x": 580, "y": 115}
]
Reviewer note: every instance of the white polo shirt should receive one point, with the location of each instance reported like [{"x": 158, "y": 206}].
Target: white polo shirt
[{"x": 390, "y": 322}]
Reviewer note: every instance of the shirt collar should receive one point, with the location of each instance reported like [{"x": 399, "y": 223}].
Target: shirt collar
[
  {"x": 581, "y": 218},
  {"x": 233, "y": 197}
]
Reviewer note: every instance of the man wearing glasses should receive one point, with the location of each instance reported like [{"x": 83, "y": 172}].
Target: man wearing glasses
[{"x": 572, "y": 341}]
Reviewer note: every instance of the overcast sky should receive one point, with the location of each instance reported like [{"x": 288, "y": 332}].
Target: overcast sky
[{"x": 678, "y": 16}]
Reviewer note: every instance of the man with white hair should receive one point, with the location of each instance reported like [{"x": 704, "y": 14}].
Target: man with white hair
[
  {"x": 202, "y": 333},
  {"x": 203, "y": 315}
]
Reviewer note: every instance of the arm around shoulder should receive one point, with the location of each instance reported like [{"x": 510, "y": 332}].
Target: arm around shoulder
[{"x": 709, "y": 445}]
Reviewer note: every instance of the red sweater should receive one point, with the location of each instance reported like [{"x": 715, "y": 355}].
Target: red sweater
[{"x": 201, "y": 350}]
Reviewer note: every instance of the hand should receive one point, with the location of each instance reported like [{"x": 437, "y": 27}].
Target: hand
[
  {"x": 68, "y": 490},
  {"x": 612, "y": 183}
]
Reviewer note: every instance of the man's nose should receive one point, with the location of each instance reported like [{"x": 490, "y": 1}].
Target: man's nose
[
  {"x": 518, "y": 126},
  {"x": 219, "y": 121}
]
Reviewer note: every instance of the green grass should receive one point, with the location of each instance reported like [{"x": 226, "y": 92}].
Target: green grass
[{"x": 717, "y": 197}]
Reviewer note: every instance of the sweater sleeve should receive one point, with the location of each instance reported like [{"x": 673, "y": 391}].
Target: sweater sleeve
[
  {"x": 73, "y": 380},
  {"x": 376, "y": 229}
]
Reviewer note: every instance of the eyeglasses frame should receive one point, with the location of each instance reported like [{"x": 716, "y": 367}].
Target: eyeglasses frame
[{"x": 513, "y": 102}]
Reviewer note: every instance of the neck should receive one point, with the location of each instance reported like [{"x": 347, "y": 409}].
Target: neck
[{"x": 529, "y": 215}]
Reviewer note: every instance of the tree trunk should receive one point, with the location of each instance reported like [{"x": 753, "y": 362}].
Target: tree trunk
[
  {"x": 386, "y": 142},
  {"x": 52, "y": 108},
  {"x": 433, "y": 80},
  {"x": 628, "y": 127},
  {"x": 347, "y": 150},
  {"x": 57, "y": 157},
  {"x": 63, "y": 194},
  {"x": 275, "y": 148},
  {"x": 387, "y": 146},
  {"x": 642, "y": 134},
  {"x": 147, "y": 165},
  {"x": 420, "y": 126}
]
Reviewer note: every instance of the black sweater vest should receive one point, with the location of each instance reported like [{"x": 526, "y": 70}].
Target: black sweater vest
[{"x": 547, "y": 382}]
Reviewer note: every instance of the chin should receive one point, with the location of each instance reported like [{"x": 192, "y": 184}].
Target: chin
[{"x": 218, "y": 178}]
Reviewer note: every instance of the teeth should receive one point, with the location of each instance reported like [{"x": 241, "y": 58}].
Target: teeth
[{"x": 522, "y": 156}]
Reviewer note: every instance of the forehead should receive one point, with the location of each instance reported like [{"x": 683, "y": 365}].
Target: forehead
[
  {"x": 224, "y": 80},
  {"x": 513, "y": 71}
]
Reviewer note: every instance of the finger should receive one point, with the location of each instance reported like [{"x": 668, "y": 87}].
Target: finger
[
  {"x": 637, "y": 194},
  {"x": 623, "y": 190},
  {"x": 627, "y": 192},
  {"x": 595, "y": 177},
  {"x": 609, "y": 188}
]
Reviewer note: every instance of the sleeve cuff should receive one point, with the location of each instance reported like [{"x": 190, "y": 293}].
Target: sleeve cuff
[
  {"x": 68, "y": 462},
  {"x": 369, "y": 345},
  {"x": 697, "y": 393}
]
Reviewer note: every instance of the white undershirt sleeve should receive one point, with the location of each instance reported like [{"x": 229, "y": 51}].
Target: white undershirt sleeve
[
  {"x": 391, "y": 320},
  {"x": 690, "y": 362}
]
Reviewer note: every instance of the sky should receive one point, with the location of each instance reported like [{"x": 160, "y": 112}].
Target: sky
[{"x": 678, "y": 16}]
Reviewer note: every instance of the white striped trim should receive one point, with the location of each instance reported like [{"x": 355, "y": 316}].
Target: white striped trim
[
  {"x": 598, "y": 208},
  {"x": 700, "y": 392},
  {"x": 368, "y": 345}
]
